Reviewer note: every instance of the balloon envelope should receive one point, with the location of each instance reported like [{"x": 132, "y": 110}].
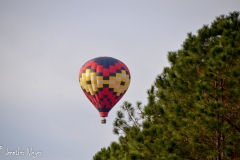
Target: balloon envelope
[{"x": 104, "y": 80}]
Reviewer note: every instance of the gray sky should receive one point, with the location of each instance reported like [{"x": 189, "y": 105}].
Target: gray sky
[{"x": 44, "y": 43}]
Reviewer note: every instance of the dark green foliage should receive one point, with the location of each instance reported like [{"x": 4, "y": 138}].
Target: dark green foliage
[{"x": 193, "y": 109}]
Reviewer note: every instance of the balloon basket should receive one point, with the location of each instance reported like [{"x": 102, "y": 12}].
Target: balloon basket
[{"x": 103, "y": 121}]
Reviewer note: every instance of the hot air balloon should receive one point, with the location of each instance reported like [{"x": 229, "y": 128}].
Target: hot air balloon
[{"x": 104, "y": 80}]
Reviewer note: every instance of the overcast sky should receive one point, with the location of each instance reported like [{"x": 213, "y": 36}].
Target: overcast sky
[{"x": 44, "y": 43}]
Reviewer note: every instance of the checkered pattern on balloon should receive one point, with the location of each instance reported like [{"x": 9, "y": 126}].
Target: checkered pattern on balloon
[{"x": 104, "y": 80}]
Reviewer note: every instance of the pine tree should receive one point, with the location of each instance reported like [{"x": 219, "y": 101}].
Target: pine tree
[{"x": 193, "y": 109}]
